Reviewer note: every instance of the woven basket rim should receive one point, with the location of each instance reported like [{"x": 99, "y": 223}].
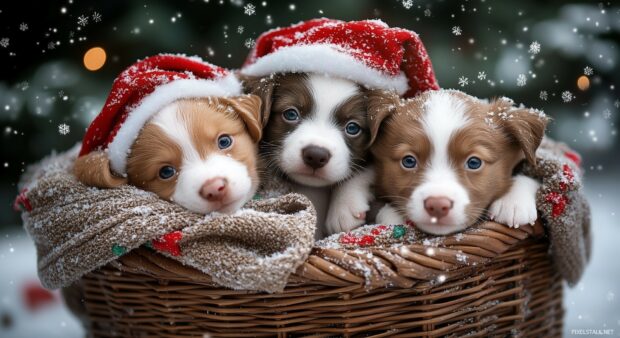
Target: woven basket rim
[{"x": 397, "y": 265}]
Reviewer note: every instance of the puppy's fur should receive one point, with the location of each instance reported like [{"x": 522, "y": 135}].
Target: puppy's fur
[
  {"x": 325, "y": 106},
  {"x": 442, "y": 130},
  {"x": 184, "y": 135}
]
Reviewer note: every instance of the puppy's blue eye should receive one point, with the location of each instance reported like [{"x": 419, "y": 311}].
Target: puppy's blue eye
[
  {"x": 409, "y": 162},
  {"x": 290, "y": 115},
  {"x": 474, "y": 163},
  {"x": 352, "y": 128},
  {"x": 224, "y": 141},
  {"x": 167, "y": 172}
]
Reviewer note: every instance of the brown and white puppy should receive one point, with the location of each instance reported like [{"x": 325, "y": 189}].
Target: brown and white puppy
[
  {"x": 444, "y": 158},
  {"x": 200, "y": 153},
  {"x": 316, "y": 137}
]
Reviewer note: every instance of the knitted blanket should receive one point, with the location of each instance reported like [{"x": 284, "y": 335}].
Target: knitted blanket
[{"x": 77, "y": 229}]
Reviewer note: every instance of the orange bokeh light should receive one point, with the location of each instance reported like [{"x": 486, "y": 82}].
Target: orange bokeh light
[
  {"x": 94, "y": 58},
  {"x": 583, "y": 82}
]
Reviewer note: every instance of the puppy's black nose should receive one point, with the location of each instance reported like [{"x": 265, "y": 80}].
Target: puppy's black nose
[{"x": 315, "y": 157}]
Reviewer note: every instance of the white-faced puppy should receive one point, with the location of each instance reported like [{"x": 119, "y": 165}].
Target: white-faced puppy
[
  {"x": 199, "y": 153},
  {"x": 444, "y": 158},
  {"x": 316, "y": 135},
  {"x": 179, "y": 127}
]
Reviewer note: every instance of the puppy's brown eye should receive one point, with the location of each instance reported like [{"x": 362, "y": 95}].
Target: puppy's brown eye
[{"x": 167, "y": 172}]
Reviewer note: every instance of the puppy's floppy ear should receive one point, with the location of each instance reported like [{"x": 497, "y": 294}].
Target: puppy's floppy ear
[
  {"x": 93, "y": 169},
  {"x": 249, "y": 109},
  {"x": 263, "y": 88},
  {"x": 381, "y": 104},
  {"x": 527, "y": 128}
]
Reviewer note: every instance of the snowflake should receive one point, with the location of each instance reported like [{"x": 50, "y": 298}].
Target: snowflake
[
  {"x": 521, "y": 80},
  {"x": 482, "y": 75},
  {"x": 249, "y": 9},
  {"x": 567, "y": 96},
  {"x": 51, "y": 45},
  {"x": 23, "y": 85},
  {"x": 617, "y": 104},
  {"x": 63, "y": 129},
  {"x": 588, "y": 71},
  {"x": 463, "y": 81},
  {"x": 543, "y": 95},
  {"x": 4, "y": 42},
  {"x": 534, "y": 48},
  {"x": 427, "y": 12},
  {"x": 23, "y": 26},
  {"x": 240, "y": 29},
  {"x": 249, "y": 43},
  {"x": 96, "y": 17},
  {"x": 606, "y": 114},
  {"x": 456, "y": 30},
  {"x": 82, "y": 20},
  {"x": 407, "y": 4}
]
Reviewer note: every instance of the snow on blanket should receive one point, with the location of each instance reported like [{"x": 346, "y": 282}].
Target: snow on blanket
[{"x": 77, "y": 229}]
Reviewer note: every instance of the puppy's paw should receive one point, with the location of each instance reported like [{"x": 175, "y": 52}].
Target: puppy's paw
[
  {"x": 347, "y": 211},
  {"x": 388, "y": 215},
  {"x": 518, "y": 206}
]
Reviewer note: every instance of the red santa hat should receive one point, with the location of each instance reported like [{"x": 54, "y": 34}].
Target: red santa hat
[
  {"x": 367, "y": 52},
  {"x": 145, "y": 88}
]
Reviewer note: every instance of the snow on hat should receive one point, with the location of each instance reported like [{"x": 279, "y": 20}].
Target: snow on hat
[
  {"x": 145, "y": 88},
  {"x": 367, "y": 52}
]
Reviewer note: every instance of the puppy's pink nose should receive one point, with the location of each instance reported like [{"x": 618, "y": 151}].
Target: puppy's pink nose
[
  {"x": 438, "y": 206},
  {"x": 214, "y": 189}
]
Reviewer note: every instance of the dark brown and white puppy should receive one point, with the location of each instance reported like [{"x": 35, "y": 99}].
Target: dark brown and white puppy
[
  {"x": 199, "y": 153},
  {"x": 316, "y": 137},
  {"x": 444, "y": 158}
]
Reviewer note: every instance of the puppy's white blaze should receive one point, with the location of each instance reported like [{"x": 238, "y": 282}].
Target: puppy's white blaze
[
  {"x": 169, "y": 121},
  {"x": 328, "y": 93},
  {"x": 195, "y": 171},
  {"x": 194, "y": 174},
  {"x": 443, "y": 116}
]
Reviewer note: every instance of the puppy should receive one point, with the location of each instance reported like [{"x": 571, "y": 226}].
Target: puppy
[
  {"x": 316, "y": 137},
  {"x": 200, "y": 153},
  {"x": 444, "y": 159}
]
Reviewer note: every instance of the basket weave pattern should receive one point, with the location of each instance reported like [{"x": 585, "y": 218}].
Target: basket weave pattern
[{"x": 505, "y": 285}]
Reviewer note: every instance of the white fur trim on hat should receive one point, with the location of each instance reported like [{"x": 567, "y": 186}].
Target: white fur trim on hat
[
  {"x": 162, "y": 96},
  {"x": 326, "y": 59}
]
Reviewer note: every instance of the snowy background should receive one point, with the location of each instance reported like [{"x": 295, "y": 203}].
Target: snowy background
[{"x": 559, "y": 57}]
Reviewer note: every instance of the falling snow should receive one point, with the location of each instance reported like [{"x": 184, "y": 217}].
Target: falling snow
[
  {"x": 543, "y": 95},
  {"x": 567, "y": 96},
  {"x": 51, "y": 45},
  {"x": 4, "y": 42},
  {"x": 23, "y": 26},
  {"x": 588, "y": 71},
  {"x": 82, "y": 20},
  {"x": 407, "y": 4},
  {"x": 617, "y": 104},
  {"x": 463, "y": 81},
  {"x": 482, "y": 75},
  {"x": 249, "y": 9},
  {"x": 96, "y": 17},
  {"x": 63, "y": 129},
  {"x": 456, "y": 30},
  {"x": 249, "y": 43},
  {"x": 521, "y": 80},
  {"x": 606, "y": 114},
  {"x": 534, "y": 48},
  {"x": 240, "y": 29},
  {"x": 427, "y": 12}
]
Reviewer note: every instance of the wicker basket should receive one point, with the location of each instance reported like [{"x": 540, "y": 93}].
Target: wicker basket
[{"x": 508, "y": 287}]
